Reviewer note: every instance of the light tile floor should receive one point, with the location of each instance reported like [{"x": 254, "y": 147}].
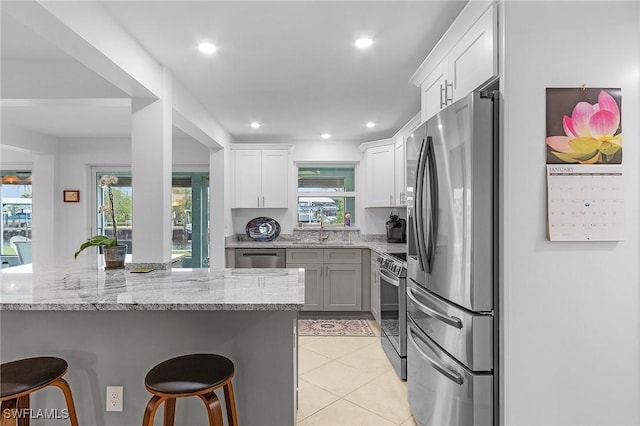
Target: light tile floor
[{"x": 344, "y": 381}]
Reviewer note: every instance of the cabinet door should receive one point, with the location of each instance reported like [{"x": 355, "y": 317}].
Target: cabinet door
[
  {"x": 274, "y": 178},
  {"x": 247, "y": 175},
  {"x": 400, "y": 194},
  {"x": 375, "y": 291},
  {"x": 474, "y": 61},
  {"x": 380, "y": 175},
  {"x": 313, "y": 285},
  {"x": 433, "y": 96},
  {"x": 342, "y": 287}
]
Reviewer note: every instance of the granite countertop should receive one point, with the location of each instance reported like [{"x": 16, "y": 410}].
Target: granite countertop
[
  {"x": 90, "y": 288},
  {"x": 378, "y": 246}
]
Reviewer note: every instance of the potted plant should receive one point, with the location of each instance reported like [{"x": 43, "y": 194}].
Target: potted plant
[{"x": 114, "y": 253}]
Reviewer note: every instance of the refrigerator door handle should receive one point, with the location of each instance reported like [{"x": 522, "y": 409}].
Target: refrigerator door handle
[
  {"x": 451, "y": 375},
  {"x": 419, "y": 228},
  {"x": 452, "y": 321},
  {"x": 435, "y": 205}
]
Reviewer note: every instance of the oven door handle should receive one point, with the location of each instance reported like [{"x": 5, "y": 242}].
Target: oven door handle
[
  {"x": 392, "y": 280},
  {"x": 451, "y": 375},
  {"x": 452, "y": 321}
]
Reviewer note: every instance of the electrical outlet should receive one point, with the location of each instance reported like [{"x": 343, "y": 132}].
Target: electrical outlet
[{"x": 114, "y": 398}]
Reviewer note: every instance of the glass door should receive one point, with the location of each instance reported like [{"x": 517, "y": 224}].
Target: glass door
[{"x": 190, "y": 213}]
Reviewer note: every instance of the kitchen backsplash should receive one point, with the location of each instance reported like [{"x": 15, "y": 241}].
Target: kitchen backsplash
[{"x": 311, "y": 234}]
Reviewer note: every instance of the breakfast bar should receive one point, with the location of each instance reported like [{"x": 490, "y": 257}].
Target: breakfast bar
[{"x": 113, "y": 326}]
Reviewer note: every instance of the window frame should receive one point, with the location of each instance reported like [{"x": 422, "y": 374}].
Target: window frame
[{"x": 340, "y": 194}]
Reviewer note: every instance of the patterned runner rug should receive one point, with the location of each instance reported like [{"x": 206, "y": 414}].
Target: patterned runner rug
[{"x": 335, "y": 327}]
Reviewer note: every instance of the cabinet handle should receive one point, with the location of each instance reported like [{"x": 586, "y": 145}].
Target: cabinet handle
[
  {"x": 258, "y": 201},
  {"x": 448, "y": 99},
  {"x": 442, "y": 98},
  {"x": 402, "y": 198},
  {"x": 326, "y": 271},
  {"x": 390, "y": 199},
  {"x": 263, "y": 201}
]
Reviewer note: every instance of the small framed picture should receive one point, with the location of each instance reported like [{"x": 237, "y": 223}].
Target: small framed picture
[{"x": 71, "y": 196}]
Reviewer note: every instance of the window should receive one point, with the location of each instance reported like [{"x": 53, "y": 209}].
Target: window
[
  {"x": 326, "y": 190},
  {"x": 16, "y": 196}
]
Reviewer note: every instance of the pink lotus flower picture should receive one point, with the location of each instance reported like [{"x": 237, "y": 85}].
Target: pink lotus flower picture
[{"x": 584, "y": 126}]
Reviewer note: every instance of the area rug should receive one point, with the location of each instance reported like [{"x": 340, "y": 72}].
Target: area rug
[{"x": 335, "y": 327}]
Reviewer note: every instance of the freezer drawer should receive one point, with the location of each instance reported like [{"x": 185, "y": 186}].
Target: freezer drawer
[
  {"x": 441, "y": 390},
  {"x": 466, "y": 335}
]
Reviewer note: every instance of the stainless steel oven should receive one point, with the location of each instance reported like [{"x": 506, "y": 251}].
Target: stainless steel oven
[{"x": 393, "y": 309}]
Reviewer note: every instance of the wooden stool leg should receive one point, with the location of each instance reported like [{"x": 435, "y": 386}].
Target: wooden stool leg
[
  {"x": 66, "y": 390},
  {"x": 169, "y": 411},
  {"x": 230, "y": 402},
  {"x": 7, "y": 412},
  {"x": 23, "y": 406},
  {"x": 214, "y": 410},
  {"x": 150, "y": 411}
]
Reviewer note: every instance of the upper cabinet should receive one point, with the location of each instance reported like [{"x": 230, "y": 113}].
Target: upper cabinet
[
  {"x": 400, "y": 181},
  {"x": 380, "y": 175},
  {"x": 260, "y": 178},
  {"x": 385, "y": 171},
  {"x": 465, "y": 59}
]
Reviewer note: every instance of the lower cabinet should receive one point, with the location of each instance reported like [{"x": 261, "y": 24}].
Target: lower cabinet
[
  {"x": 375, "y": 288},
  {"x": 333, "y": 278}
]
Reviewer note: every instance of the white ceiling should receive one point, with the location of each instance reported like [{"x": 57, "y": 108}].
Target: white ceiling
[{"x": 291, "y": 65}]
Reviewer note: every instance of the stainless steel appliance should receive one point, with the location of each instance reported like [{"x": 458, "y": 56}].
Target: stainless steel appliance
[
  {"x": 393, "y": 309},
  {"x": 451, "y": 290},
  {"x": 260, "y": 258}
]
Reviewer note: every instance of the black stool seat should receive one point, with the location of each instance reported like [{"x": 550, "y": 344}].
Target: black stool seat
[
  {"x": 189, "y": 374},
  {"x": 20, "y": 378},
  {"x": 25, "y": 375}
]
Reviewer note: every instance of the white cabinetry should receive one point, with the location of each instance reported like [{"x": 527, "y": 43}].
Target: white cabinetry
[
  {"x": 260, "y": 178},
  {"x": 380, "y": 175},
  {"x": 465, "y": 59},
  {"x": 385, "y": 175},
  {"x": 400, "y": 193},
  {"x": 433, "y": 90}
]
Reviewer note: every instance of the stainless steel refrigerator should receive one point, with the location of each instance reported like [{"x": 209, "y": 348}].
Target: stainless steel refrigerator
[{"x": 452, "y": 255}]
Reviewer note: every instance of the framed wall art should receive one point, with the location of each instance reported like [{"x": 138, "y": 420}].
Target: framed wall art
[{"x": 71, "y": 196}]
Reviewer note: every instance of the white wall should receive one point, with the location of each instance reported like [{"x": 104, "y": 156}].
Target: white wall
[{"x": 569, "y": 309}]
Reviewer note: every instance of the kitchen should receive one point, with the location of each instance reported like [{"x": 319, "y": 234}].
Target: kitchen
[{"x": 538, "y": 49}]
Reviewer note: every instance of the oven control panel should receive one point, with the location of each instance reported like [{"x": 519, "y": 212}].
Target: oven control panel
[{"x": 395, "y": 266}]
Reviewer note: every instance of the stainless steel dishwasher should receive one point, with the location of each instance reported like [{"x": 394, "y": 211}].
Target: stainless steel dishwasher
[{"x": 260, "y": 258}]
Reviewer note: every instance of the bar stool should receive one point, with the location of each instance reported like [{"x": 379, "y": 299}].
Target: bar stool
[
  {"x": 191, "y": 375},
  {"x": 20, "y": 378}
]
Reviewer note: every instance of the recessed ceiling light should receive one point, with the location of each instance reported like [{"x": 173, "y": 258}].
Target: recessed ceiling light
[
  {"x": 370, "y": 124},
  {"x": 325, "y": 135},
  {"x": 207, "y": 48},
  {"x": 363, "y": 43},
  {"x": 255, "y": 125}
]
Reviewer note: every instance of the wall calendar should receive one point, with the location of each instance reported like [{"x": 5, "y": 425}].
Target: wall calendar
[
  {"x": 585, "y": 202},
  {"x": 584, "y": 164}
]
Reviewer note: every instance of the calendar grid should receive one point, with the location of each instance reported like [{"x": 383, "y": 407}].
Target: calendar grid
[{"x": 585, "y": 202}]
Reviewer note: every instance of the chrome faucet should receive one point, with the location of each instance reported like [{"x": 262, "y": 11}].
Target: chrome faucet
[{"x": 322, "y": 236}]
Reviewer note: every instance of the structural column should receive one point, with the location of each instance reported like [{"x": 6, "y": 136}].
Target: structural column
[{"x": 151, "y": 169}]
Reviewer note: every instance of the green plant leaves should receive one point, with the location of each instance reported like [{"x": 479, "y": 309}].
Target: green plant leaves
[{"x": 98, "y": 240}]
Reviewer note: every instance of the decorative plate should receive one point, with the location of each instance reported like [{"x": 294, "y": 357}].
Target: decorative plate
[{"x": 263, "y": 229}]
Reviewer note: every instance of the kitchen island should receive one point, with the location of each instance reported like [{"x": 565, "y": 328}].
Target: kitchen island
[{"x": 113, "y": 326}]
